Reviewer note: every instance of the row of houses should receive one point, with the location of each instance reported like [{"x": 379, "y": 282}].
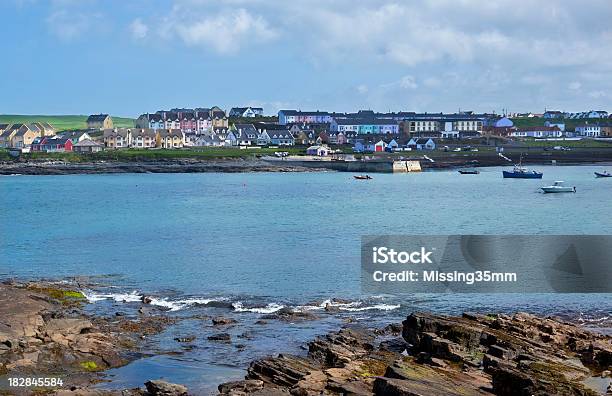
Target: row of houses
[
  {"x": 552, "y": 129},
  {"x": 410, "y": 124},
  {"x": 389, "y": 144},
  {"x": 22, "y": 135}
]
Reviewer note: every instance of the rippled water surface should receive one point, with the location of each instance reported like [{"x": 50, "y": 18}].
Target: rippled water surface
[{"x": 247, "y": 244}]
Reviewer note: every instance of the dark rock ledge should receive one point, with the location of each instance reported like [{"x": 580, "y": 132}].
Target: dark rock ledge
[{"x": 437, "y": 355}]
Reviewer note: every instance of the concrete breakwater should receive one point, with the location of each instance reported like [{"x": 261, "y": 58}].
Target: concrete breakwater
[{"x": 353, "y": 166}]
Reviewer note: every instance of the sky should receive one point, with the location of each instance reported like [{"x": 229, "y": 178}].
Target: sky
[{"x": 131, "y": 57}]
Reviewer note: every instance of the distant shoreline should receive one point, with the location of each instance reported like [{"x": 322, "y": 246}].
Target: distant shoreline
[{"x": 242, "y": 165}]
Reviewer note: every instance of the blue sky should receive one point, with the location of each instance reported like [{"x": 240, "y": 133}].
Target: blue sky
[{"x": 130, "y": 57}]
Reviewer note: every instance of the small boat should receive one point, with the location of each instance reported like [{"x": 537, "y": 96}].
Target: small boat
[
  {"x": 603, "y": 174},
  {"x": 520, "y": 172},
  {"x": 469, "y": 171},
  {"x": 558, "y": 187},
  {"x": 362, "y": 177}
]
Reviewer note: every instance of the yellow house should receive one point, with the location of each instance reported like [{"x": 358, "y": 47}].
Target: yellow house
[
  {"x": 8, "y": 133},
  {"x": 170, "y": 138},
  {"x": 24, "y": 136},
  {"x": 219, "y": 119},
  {"x": 99, "y": 121}
]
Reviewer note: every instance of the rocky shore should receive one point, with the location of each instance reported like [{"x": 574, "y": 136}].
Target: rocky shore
[
  {"x": 432, "y": 355},
  {"x": 159, "y": 166},
  {"x": 238, "y": 165},
  {"x": 45, "y": 332}
]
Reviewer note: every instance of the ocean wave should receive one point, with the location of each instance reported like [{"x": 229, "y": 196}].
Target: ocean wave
[
  {"x": 268, "y": 309},
  {"x": 351, "y": 306},
  {"x": 237, "y": 306},
  {"x": 172, "y": 305}
]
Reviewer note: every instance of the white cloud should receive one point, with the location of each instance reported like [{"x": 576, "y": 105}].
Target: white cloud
[
  {"x": 225, "y": 32},
  {"x": 362, "y": 88},
  {"x": 138, "y": 29},
  {"x": 574, "y": 85},
  {"x": 69, "y": 25},
  {"x": 597, "y": 94}
]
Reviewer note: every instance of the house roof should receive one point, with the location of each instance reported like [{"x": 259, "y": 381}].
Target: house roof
[
  {"x": 538, "y": 129},
  {"x": 245, "y": 129},
  {"x": 422, "y": 140},
  {"x": 144, "y": 132},
  {"x": 123, "y": 132},
  {"x": 365, "y": 121},
  {"x": 304, "y": 113},
  {"x": 73, "y": 134},
  {"x": 87, "y": 143},
  {"x": 97, "y": 117}
]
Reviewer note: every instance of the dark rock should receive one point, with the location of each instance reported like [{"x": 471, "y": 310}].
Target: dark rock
[
  {"x": 289, "y": 315},
  {"x": 221, "y": 337},
  {"x": 247, "y": 386},
  {"x": 223, "y": 321},
  {"x": 146, "y": 299},
  {"x": 336, "y": 349},
  {"x": 163, "y": 388},
  {"x": 398, "y": 345},
  {"x": 284, "y": 370}
]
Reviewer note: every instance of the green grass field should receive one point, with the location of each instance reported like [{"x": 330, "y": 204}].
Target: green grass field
[
  {"x": 570, "y": 124},
  {"x": 130, "y": 155},
  {"x": 61, "y": 122}
]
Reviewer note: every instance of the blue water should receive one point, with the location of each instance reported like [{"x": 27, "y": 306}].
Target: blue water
[{"x": 268, "y": 238}]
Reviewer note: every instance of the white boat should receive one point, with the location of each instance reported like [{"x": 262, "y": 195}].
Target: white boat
[{"x": 558, "y": 187}]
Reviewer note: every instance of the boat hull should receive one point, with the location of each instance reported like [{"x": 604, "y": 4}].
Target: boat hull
[
  {"x": 550, "y": 190},
  {"x": 469, "y": 172},
  {"x": 598, "y": 174},
  {"x": 522, "y": 175}
]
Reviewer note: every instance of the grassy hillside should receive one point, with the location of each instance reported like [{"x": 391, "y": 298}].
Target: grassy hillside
[
  {"x": 61, "y": 122},
  {"x": 570, "y": 124}
]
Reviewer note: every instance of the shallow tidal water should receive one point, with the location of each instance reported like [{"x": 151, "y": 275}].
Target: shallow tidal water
[{"x": 243, "y": 245}]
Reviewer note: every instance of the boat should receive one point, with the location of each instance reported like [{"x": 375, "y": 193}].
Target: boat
[
  {"x": 603, "y": 174},
  {"x": 469, "y": 171},
  {"x": 520, "y": 172},
  {"x": 558, "y": 187},
  {"x": 362, "y": 177}
]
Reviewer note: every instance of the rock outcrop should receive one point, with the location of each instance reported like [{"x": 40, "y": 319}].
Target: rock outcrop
[
  {"x": 42, "y": 330},
  {"x": 438, "y": 355}
]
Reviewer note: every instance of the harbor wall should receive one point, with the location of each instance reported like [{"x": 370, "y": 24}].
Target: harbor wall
[{"x": 358, "y": 166}]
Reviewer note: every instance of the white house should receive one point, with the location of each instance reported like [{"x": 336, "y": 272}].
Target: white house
[
  {"x": 558, "y": 124},
  {"x": 422, "y": 144},
  {"x": 392, "y": 145},
  {"x": 247, "y": 112},
  {"x": 318, "y": 150},
  {"x": 537, "y": 132},
  {"x": 588, "y": 130}
]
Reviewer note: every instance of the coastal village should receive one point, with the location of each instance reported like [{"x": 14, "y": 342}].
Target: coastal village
[{"x": 364, "y": 131}]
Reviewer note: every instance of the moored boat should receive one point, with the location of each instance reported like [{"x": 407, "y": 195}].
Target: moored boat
[
  {"x": 558, "y": 187},
  {"x": 520, "y": 172},
  {"x": 603, "y": 174},
  {"x": 469, "y": 171},
  {"x": 362, "y": 177}
]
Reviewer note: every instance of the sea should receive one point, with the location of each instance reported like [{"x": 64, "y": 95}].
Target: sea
[{"x": 246, "y": 245}]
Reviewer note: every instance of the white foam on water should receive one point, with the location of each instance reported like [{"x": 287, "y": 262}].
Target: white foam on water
[
  {"x": 119, "y": 297},
  {"x": 354, "y": 306},
  {"x": 160, "y": 302},
  {"x": 380, "y": 307},
  {"x": 270, "y": 308}
]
